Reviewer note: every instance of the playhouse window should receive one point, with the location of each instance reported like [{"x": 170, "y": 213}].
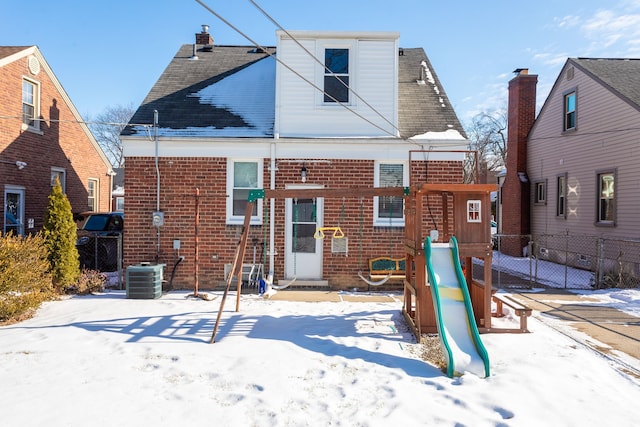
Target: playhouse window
[{"x": 473, "y": 211}]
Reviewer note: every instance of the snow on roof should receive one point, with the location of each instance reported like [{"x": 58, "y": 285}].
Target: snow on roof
[
  {"x": 248, "y": 94},
  {"x": 449, "y": 134}
]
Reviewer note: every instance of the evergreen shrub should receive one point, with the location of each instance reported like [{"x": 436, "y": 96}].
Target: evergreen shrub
[{"x": 25, "y": 278}]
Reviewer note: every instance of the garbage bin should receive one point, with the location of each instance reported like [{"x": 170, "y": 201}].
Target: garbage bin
[{"x": 144, "y": 281}]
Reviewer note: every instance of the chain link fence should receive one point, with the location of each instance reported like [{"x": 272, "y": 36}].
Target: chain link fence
[
  {"x": 563, "y": 261},
  {"x": 101, "y": 253}
]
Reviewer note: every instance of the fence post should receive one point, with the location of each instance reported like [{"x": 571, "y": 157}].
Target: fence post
[
  {"x": 600, "y": 264},
  {"x": 531, "y": 257},
  {"x": 566, "y": 257}
]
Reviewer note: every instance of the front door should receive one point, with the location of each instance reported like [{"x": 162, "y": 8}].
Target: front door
[
  {"x": 14, "y": 210},
  {"x": 303, "y": 252}
]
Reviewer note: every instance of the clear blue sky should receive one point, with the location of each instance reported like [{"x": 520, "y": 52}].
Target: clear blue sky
[{"x": 108, "y": 53}]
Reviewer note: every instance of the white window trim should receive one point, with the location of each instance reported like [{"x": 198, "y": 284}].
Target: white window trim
[
  {"x": 63, "y": 182},
  {"x": 22, "y": 191},
  {"x": 239, "y": 219},
  {"x": 474, "y": 211},
  {"x": 385, "y": 222},
  {"x": 321, "y": 46},
  {"x": 36, "y": 105},
  {"x": 97, "y": 195}
]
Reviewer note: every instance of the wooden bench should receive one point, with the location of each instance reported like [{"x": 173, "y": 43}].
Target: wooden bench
[
  {"x": 520, "y": 310},
  {"x": 383, "y": 267}
]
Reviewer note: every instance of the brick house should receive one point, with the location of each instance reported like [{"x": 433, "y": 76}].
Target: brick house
[
  {"x": 235, "y": 118},
  {"x": 42, "y": 136}
]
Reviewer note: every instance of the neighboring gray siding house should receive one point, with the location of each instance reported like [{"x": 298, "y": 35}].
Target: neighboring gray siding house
[
  {"x": 575, "y": 167},
  {"x": 584, "y": 151},
  {"x": 236, "y": 118}
]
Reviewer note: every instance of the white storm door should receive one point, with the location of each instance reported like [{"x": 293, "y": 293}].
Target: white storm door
[{"x": 303, "y": 252}]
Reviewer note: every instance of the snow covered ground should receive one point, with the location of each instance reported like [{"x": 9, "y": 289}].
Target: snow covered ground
[{"x": 105, "y": 360}]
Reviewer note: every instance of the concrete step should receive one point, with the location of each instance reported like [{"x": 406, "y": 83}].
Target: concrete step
[{"x": 303, "y": 283}]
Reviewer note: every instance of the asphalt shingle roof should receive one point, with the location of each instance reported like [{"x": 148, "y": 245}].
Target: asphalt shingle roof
[
  {"x": 622, "y": 76},
  {"x": 10, "y": 50},
  {"x": 422, "y": 108}
]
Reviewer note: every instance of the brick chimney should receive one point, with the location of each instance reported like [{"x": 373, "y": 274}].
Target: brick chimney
[
  {"x": 516, "y": 190},
  {"x": 203, "y": 37}
]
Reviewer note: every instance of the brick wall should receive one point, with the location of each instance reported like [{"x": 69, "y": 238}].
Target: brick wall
[
  {"x": 62, "y": 145},
  {"x": 181, "y": 176}
]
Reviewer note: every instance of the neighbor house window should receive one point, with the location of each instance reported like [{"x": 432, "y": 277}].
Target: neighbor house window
[
  {"x": 242, "y": 177},
  {"x": 540, "y": 196},
  {"x": 389, "y": 210},
  {"x": 561, "y": 196},
  {"x": 120, "y": 204},
  {"x": 570, "y": 111},
  {"x": 30, "y": 103},
  {"x": 92, "y": 190},
  {"x": 61, "y": 175},
  {"x": 606, "y": 214},
  {"x": 336, "y": 75}
]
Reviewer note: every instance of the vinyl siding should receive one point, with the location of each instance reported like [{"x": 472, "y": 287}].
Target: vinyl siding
[
  {"x": 606, "y": 137},
  {"x": 373, "y": 75}
]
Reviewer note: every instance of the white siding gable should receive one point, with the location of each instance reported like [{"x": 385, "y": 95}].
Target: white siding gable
[{"x": 373, "y": 77}]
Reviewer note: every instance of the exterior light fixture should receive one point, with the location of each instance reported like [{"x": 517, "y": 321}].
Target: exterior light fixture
[
  {"x": 303, "y": 173},
  {"x": 20, "y": 165}
]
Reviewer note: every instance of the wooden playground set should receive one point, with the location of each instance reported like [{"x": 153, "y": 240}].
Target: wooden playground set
[{"x": 466, "y": 214}]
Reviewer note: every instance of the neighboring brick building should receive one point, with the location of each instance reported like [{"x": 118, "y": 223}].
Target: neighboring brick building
[
  {"x": 43, "y": 136},
  {"x": 234, "y": 118}
]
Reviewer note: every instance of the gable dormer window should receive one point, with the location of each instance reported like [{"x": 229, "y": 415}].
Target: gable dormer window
[{"x": 336, "y": 75}]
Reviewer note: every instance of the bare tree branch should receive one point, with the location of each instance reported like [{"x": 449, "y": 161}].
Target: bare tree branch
[
  {"x": 106, "y": 128},
  {"x": 488, "y": 136}
]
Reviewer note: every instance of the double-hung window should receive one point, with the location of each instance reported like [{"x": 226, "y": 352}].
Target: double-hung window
[
  {"x": 242, "y": 177},
  {"x": 336, "y": 75},
  {"x": 606, "y": 209},
  {"x": 570, "y": 111},
  {"x": 30, "y": 104},
  {"x": 92, "y": 190},
  {"x": 540, "y": 196},
  {"x": 561, "y": 196},
  {"x": 61, "y": 174},
  {"x": 389, "y": 210}
]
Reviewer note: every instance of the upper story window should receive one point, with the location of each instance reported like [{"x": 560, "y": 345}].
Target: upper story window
[
  {"x": 561, "y": 196},
  {"x": 389, "y": 210},
  {"x": 336, "y": 75},
  {"x": 30, "y": 103},
  {"x": 570, "y": 111},
  {"x": 606, "y": 209},
  {"x": 92, "y": 191},
  {"x": 61, "y": 174},
  {"x": 242, "y": 177}
]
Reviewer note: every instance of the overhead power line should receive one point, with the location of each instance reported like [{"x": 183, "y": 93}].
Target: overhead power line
[
  {"x": 323, "y": 65},
  {"x": 262, "y": 48}
]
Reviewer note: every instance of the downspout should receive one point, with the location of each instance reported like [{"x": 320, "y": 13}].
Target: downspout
[
  {"x": 272, "y": 211},
  {"x": 155, "y": 138}
]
